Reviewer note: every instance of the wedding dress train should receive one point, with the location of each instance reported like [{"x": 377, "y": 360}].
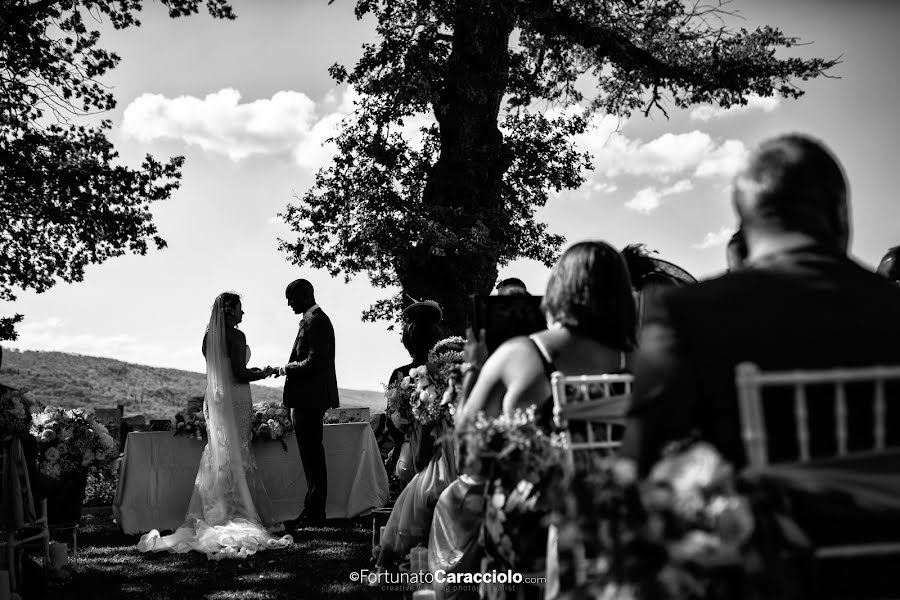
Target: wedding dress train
[{"x": 230, "y": 514}]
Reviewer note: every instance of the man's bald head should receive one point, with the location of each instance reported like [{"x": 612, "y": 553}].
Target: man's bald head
[{"x": 793, "y": 184}]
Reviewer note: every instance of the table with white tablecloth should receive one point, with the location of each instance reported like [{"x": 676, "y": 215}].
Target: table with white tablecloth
[{"x": 158, "y": 471}]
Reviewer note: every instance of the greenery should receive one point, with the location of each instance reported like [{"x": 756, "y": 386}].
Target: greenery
[
  {"x": 458, "y": 197},
  {"x": 65, "y": 202},
  {"x": 75, "y": 381}
]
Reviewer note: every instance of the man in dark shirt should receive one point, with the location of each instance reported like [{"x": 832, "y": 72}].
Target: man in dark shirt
[{"x": 799, "y": 302}]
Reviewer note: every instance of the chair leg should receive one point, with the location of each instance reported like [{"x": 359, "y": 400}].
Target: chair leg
[{"x": 11, "y": 559}]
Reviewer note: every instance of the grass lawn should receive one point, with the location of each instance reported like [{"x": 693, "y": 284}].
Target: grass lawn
[{"x": 318, "y": 565}]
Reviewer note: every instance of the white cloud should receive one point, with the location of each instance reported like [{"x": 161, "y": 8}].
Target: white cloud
[
  {"x": 289, "y": 123},
  {"x": 670, "y": 154},
  {"x": 715, "y": 239},
  {"x": 648, "y": 199},
  {"x": 605, "y": 188},
  {"x": 754, "y": 102},
  {"x": 725, "y": 161}
]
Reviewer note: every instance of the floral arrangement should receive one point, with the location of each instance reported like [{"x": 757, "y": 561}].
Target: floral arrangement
[
  {"x": 664, "y": 537},
  {"x": 399, "y": 402},
  {"x": 271, "y": 421},
  {"x": 436, "y": 385},
  {"x": 72, "y": 442},
  {"x": 191, "y": 424},
  {"x": 16, "y": 409},
  {"x": 524, "y": 467}
]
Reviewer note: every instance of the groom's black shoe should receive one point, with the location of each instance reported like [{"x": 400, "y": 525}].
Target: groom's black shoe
[{"x": 308, "y": 518}]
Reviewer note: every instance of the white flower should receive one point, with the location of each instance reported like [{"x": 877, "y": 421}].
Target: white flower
[
  {"x": 100, "y": 454},
  {"x": 271, "y": 422},
  {"x": 51, "y": 469},
  {"x": 423, "y": 371},
  {"x": 52, "y": 455},
  {"x": 405, "y": 383},
  {"x": 271, "y": 412},
  {"x": 280, "y": 412},
  {"x": 48, "y": 435}
]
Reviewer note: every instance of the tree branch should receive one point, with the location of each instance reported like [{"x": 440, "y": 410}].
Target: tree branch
[{"x": 551, "y": 21}]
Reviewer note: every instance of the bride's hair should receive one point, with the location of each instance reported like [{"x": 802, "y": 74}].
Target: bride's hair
[{"x": 229, "y": 300}]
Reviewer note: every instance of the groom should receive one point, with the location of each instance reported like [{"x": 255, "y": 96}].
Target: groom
[{"x": 310, "y": 388}]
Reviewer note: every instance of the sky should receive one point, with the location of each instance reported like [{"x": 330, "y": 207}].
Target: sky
[{"x": 249, "y": 103}]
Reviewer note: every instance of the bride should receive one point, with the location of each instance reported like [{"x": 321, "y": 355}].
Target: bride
[{"x": 230, "y": 514}]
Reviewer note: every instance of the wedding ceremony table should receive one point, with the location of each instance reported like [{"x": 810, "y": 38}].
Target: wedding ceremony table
[{"x": 158, "y": 470}]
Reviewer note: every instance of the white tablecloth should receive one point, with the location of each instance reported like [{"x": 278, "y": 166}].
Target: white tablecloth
[{"x": 158, "y": 470}]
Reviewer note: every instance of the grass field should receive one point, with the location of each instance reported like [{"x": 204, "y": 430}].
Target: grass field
[{"x": 318, "y": 565}]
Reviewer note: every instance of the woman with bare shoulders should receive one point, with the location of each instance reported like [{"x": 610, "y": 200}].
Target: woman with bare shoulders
[
  {"x": 591, "y": 323},
  {"x": 230, "y": 514}
]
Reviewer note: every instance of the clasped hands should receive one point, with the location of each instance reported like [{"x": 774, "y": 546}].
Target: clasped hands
[{"x": 269, "y": 371}]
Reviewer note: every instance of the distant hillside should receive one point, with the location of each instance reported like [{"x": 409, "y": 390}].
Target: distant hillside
[{"x": 76, "y": 381}]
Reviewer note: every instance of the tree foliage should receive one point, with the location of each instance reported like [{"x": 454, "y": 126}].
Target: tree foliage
[
  {"x": 435, "y": 211},
  {"x": 65, "y": 202}
]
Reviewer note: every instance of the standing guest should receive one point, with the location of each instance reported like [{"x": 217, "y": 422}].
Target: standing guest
[
  {"x": 421, "y": 331},
  {"x": 799, "y": 303},
  {"x": 512, "y": 286},
  {"x": 310, "y": 389},
  {"x": 736, "y": 251},
  {"x": 890, "y": 265}
]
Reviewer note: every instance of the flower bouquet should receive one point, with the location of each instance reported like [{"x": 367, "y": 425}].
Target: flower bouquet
[
  {"x": 524, "y": 468},
  {"x": 681, "y": 533},
  {"x": 437, "y": 384},
  {"x": 191, "y": 424},
  {"x": 271, "y": 421},
  {"x": 16, "y": 409},
  {"x": 72, "y": 442},
  {"x": 399, "y": 402}
]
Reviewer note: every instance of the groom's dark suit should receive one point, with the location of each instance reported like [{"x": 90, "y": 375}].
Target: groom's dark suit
[
  {"x": 310, "y": 389},
  {"x": 805, "y": 309}
]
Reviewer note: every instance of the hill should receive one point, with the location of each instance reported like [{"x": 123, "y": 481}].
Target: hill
[{"x": 76, "y": 381}]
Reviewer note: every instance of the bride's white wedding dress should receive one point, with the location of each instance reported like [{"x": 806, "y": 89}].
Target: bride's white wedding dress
[{"x": 230, "y": 514}]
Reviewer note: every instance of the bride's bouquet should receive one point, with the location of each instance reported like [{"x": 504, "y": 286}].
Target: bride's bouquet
[
  {"x": 191, "y": 424},
  {"x": 271, "y": 421},
  {"x": 16, "y": 409},
  {"x": 436, "y": 385},
  {"x": 72, "y": 442}
]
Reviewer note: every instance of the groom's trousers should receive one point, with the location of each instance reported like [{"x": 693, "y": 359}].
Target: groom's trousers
[{"x": 308, "y": 429}]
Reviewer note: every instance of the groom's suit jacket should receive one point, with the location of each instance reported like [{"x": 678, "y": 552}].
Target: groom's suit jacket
[
  {"x": 311, "y": 381},
  {"x": 805, "y": 309}
]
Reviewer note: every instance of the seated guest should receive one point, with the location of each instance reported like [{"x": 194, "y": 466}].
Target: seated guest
[
  {"x": 591, "y": 320},
  {"x": 421, "y": 331},
  {"x": 590, "y": 326},
  {"x": 650, "y": 276},
  {"x": 799, "y": 302},
  {"x": 890, "y": 265},
  {"x": 736, "y": 251},
  {"x": 512, "y": 286},
  {"x": 410, "y": 519}
]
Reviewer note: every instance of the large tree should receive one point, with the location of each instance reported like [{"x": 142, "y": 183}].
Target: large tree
[
  {"x": 436, "y": 214},
  {"x": 65, "y": 201}
]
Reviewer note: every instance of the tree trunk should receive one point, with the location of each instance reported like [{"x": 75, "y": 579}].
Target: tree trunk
[{"x": 463, "y": 191}]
